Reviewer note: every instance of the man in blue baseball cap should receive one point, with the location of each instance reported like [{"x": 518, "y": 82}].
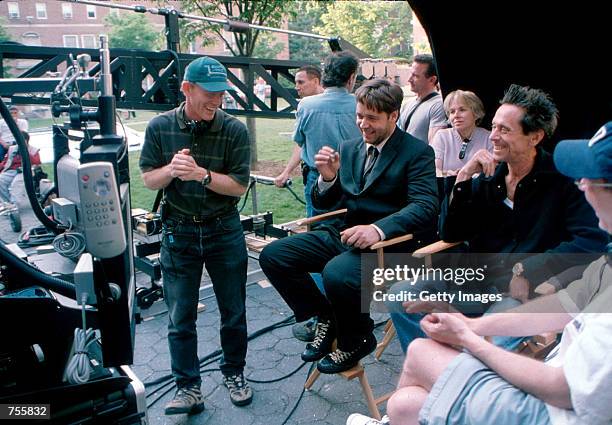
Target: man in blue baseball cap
[
  {"x": 590, "y": 163},
  {"x": 200, "y": 157},
  {"x": 459, "y": 377}
]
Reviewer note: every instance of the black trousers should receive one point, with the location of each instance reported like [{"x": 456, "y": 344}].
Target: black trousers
[{"x": 287, "y": 263}]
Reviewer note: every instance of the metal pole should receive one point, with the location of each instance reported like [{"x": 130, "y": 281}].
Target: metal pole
[
  {"x": 105, "y": 75},
  {"x": 254, "y": 198},
  {"x": 227, "y": 22}
]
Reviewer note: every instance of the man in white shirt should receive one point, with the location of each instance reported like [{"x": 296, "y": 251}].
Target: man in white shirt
[{"x": 484, "y": 384}]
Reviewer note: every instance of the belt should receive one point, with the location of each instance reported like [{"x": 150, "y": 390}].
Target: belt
[{"x": 197, "y": 219}]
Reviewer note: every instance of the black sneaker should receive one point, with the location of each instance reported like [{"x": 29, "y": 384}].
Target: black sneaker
[
  {"x": 239, "y": 389},
  {"x": 339, "y": 360},
  {"x": 322, "y": 343},
  {"x": 305, "y": 331},
  {"x": 186, "y": 400}
]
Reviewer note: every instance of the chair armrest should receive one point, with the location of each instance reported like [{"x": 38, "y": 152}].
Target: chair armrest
[
  {"x": 379, "y": 247},
  {"x": 311, "y": 220},
  {"x": 399, "y": 239},
  {"x": 434, "y": 248}
]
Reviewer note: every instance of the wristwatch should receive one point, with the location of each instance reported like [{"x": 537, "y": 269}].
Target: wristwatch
[
  {"x": 206, "y": 179},
  {"x": 518, "y": 270}
]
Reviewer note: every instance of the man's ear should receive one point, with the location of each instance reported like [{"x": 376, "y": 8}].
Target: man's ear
[
  {"x": 535, "y": 137},
  {"x": 351, "y": 81},
  {"x": 394, "y": 116},
  {"x": 185, "y": 87}
]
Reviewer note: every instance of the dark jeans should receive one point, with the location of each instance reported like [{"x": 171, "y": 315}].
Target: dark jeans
[
  {"x": 219, "y": 245},
  {"x": 287, "y": 263}
]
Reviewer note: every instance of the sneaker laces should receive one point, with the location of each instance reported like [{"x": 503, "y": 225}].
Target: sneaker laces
[
  {"x": 189, "y": 395},
  {"x": 236, "y": 382},
  {"x": 339, "y": 356},
  {"x": 322, "y": 329}
]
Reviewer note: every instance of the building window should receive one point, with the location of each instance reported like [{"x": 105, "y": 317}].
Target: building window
[
  {"x": 71, "y": 41},
  {"x": 41, "y": 11},
  {"x": 193, "y": 48},
  {"x": 91, "y": 12},
  {"x": 88, "y": 41},
  {"x": 13, "y": 10},
  {"x": 31, "y": 39},
  {"x": 67, "y": 10}
]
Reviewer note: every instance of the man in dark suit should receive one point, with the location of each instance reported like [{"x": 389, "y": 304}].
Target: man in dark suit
[{"x": 386, "y": 179}]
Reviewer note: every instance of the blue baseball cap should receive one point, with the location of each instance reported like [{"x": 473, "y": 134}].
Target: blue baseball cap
[
  {"x": 591, "y": 159},
  {"x": 208, "y": 73}
]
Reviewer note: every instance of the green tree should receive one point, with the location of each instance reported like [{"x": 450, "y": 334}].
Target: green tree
[
  {"x": 131, "y": 31},
  {"x": 308, "y": 16},
  {"x": 270, "y": 13},
  {"x": 379, "y": 28},
  {"x": 267, "y": 46},
  {"x": 4, "y": 34}
]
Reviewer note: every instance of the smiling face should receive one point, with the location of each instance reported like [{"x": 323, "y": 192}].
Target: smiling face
[
  {"x": 510, "y": 144},
  {"x": 375, "y": 126},
  {"x": 201, "y": 105}
]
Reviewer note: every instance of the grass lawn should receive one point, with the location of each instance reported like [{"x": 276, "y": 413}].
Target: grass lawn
[{"x": 274, "y": 149}]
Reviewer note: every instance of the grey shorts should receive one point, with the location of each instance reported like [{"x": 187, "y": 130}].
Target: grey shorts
[{"x": 470, "y": 393}]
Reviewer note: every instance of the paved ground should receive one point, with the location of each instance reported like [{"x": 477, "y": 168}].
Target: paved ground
[{"x": 270, "y": 356}]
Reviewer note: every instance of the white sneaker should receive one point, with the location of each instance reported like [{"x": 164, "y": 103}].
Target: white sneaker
[{"x": 359, "y": 419}]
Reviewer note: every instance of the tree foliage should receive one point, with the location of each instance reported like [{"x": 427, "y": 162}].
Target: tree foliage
[
  {"x": 132, "y": 31},
  {"x": 308, "y": 16},
  {"x": 380, "y": 28},
  {"x": 259, "y": 12},
  {"x": 268, "y": 47},
  {"x": 4, "y": 34},
  {"x": 270, "y": 13}
]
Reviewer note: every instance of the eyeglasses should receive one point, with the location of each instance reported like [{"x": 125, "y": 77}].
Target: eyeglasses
[
  {"x": 463, "y": 148},
  {"x": 583, "y": 185}
]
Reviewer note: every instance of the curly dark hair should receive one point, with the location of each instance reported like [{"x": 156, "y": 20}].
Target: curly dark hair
[
  {"x": 338, "y": 68},
  {"x": 540, "y": 111}
]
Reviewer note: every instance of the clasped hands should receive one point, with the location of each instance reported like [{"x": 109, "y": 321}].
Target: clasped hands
[
  {"x": 443, "y": 323},
  {"x": 184, "y": 167}
]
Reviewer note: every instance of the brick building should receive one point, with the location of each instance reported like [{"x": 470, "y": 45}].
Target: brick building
[{"x": 55, "y": 23}]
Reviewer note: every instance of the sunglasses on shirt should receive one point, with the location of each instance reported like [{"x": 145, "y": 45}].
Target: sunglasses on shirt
[{"x": 464, "y": 147}]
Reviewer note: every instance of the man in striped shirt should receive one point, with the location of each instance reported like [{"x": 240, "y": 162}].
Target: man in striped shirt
[{"x": 200, "y": 156}]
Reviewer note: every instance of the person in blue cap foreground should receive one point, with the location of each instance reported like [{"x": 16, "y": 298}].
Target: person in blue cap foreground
[
  {"x": 200, "y": 157},
  {"x": 459, "y": 377}
]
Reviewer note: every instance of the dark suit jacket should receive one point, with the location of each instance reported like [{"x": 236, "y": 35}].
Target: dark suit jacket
[{"x": 400, "y": 195}]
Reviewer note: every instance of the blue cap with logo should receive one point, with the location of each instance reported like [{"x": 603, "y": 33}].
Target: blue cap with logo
[
  {"x": 591, "y": 159},
  {"x": 208, "y": 73}
]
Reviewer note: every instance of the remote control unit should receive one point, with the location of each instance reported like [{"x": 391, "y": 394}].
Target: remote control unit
[{"x": 101, "y": 218}]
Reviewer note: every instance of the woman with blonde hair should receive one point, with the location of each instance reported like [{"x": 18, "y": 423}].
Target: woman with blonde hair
[{"x": 455, "y": 146}]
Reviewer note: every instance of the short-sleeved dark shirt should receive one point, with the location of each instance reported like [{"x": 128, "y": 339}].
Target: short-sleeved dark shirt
[{"x": 222, "y": 147}]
